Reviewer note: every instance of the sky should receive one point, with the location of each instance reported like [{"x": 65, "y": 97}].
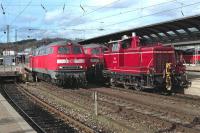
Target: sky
[{"x": 37, "y": 19}]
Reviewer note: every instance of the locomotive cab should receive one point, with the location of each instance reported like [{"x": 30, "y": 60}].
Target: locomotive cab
[
  {"x": 71, "y": 57},
  {"x": 95, "y": 61},
  {"x": 134, "y": 65}
]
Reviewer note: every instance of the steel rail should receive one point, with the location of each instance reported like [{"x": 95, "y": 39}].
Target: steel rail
[
  {"x": 30, "y": 120},
  {"x": 62, "y": 115}
]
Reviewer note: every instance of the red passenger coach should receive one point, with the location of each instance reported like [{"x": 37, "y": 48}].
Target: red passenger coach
[
  {"x": 95, "y": 60},
  {"x": 60, "y": 62},
  {"x": 131, "y": 63},
  {"x": 191, "y": 56}
]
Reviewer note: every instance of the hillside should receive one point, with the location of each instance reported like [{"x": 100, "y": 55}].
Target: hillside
[{"x": 30, "y": 43}]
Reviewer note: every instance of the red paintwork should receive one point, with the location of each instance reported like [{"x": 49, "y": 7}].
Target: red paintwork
[
  {"x": 190, "y": 56},
  {"x": 190, "y": 59},
  {"x": 49, "y": 61},
  {"x": 94, "y": 58},
  {"x": 138, "y": 59}
]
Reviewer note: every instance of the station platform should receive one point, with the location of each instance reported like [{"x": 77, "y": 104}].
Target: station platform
[
  {"x": 11, "y": 121},
  {"x": 10, "y": 73},
  {"x": 193, "y": 68}
]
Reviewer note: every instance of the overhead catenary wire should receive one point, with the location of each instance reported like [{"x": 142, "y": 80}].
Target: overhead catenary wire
[
  {"x": 28, "y": 4},
  {"x": 94, "y": 10},
  {"x": 19, "y": 14},
  {"x": 132, "y": 19},
  {"x": 121, "y": 13},
  {"x": 187, "y": 5},
  {"x": 53, "y": 5},
  {"x": 182, "y": 6},
  {"x": 61, "y": 28}
]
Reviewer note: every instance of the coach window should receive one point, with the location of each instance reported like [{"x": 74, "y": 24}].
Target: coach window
[
  {"x": 63, "y": 50},
  {"x": 115, "y": 47},
  {"x": 76, "y": 50},
  {"x": 126, "y": 44}
]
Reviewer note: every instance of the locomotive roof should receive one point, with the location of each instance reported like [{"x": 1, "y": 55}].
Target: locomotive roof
[
  {"x": 62, "y": 43},
  {"x": 58, "y": 43},
  {"x": 93, "y": 45}
]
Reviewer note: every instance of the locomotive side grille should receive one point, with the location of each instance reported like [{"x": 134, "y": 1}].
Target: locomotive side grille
[
  {"x": 70, "y": 67},
  {"x": 160, "y": 61}
]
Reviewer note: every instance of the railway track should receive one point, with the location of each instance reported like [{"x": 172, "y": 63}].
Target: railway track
[
  {"x": 158, "y": 112},
  {"x": 45, "y": 119},
  {"x": 163, "y": 119},
  {"x": 65, "y": 96},
  {"x": 20, "y": 109},
  {"x": 176, "y": 96}
]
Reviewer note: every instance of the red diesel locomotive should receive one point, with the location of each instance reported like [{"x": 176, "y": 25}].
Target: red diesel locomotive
[
  {"x": 95, "y": 61},
  {"x": 60, "y": 62},
  {"x": 134, "y": 65}
]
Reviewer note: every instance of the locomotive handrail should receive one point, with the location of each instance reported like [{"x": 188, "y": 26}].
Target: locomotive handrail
[{"x": 150, "y": 62}]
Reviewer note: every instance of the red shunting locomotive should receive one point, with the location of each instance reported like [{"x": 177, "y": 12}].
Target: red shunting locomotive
[
  {"x": 61, "y": 62},
  {"x": 131, "y": 63},
  {"x": 95, "y": 61}
]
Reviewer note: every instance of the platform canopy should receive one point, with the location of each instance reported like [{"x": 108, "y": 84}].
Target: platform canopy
[{"x": 182, "y": 31}]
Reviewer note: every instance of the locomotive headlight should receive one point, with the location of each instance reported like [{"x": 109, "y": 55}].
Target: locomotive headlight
[
  {"x": 94, "y": 60},
  {"x": 81, "y": 67},
  {"x": 79, "y": 60}
]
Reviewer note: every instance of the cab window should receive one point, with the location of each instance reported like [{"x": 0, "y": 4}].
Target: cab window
[
  {"x": 63, "y": 50},
  {"x": 76, "y": 50},
  {"x": 115, "y": 47},
  {"x": 95, "y": 51},
  {"x": 126, "y": 44}
]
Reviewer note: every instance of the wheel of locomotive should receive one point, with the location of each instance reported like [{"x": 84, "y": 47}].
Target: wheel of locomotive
[
  {"x": 77, "y": 82},
  {"x": 84, "y": 84},
  {"x": 34, "y": 77},
  {"x": 126, "y": 86},
  {"x": 138, "y": 88},
  {"x": 48, "y": 78},
  {"x": 59, "y": 82},
  {"x": 54, "y": 81},
  {"x": 112, "y": 82}
]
